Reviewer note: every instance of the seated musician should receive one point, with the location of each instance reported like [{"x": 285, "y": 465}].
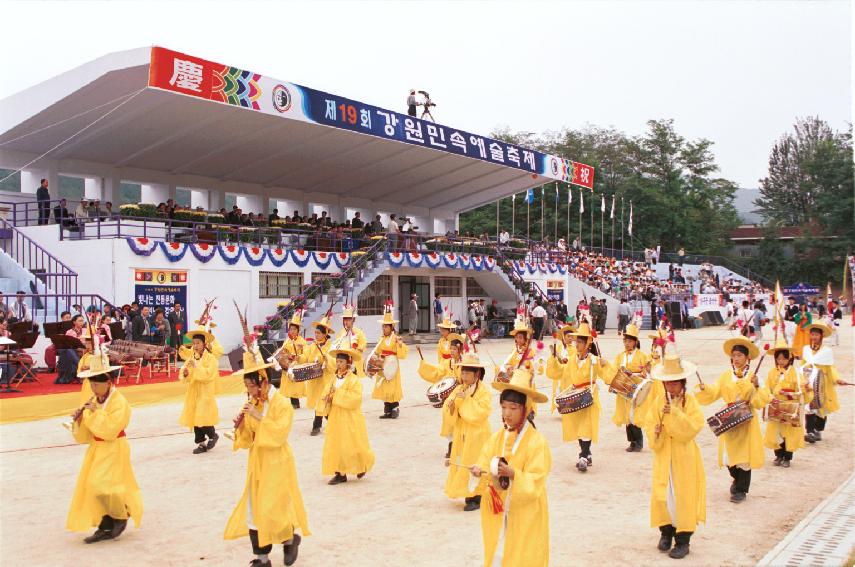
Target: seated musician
[
  {"x": 68, "y": 359},
  {"x": 7, "y": 368}
]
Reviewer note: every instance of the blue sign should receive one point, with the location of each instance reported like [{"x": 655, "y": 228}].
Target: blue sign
[
  {"x": 162, "y": 297},
  {"x": 801, "y": 288}
]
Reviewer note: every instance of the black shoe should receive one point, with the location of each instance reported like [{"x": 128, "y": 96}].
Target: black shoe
[
  {"x": 118, "y": 527},
  {"x": 360, "y": 475},
  {"x": 99, "y": 535},
  {"x": 582, "y": 465},
  {"x": 338, "y": 479},
  {"x": 200, "y": 449},
  {"x": 785, "y": 464},
  {"x": 738, "y": 497},
  {"x": 638, "y": 448},
  {"x": 817, "y": 435},
  {"x": 665, "y": 543},
  {"x": 259, "y": 563},
  {"x": 472, "y": 505},
  {"x": 315, "y": 431},
  {"x": 733, "y": 487},
  {"x": 386, "y": 415},
  {"x": 212, "y": 442},
  {"x": 680, "y": 551},
  {"x": 295, "y": 403},
  {"x": 394, "y": 414},
  {"x": 777, "y": 461},
  {"x": 631, "y": 448},
  {"x": 292, "y": 549}
]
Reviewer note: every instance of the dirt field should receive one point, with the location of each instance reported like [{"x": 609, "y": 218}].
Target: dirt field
[{"x": 398, "y": 514}]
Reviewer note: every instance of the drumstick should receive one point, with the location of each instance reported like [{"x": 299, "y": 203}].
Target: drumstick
[
  {"x": 698, "y": 374},
  {"x": 468, "y": 467},
  {"x": 419, "y": 350}
]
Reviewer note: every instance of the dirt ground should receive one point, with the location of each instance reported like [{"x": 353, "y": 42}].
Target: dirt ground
[{"x": 398, "y": 513}]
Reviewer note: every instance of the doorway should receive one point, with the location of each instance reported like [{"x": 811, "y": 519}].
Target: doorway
[{"x": 420, "y": 285}]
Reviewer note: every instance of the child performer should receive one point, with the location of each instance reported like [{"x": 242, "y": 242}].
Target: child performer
[
  {"x": 201, "y": 372},
  {"x": 786, "y": 385}
]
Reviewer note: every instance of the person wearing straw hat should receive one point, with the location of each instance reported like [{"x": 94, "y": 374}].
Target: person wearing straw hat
[
  {"x": 320, "y": 352},
  {"x": 293, "y": 351},
  {"x": 562, "y": 352},
  {"x": 201, "y": 372},
  {"x": 353, "y": 336},
  {"x": 678, "y": 501},
  {"x": 106, "y": 494},
  {"x": 523, "y": 355},
  {"x": 433, "y": 373},
  {"x": 817, "y": 356},
  {"x": 787, "y": 385},
  {"x": 468, "y": 410},
  {"x": 271, "y": 508},
  {"x": 389, "y": 390},
  {"x": 443, "y": 346},
  {"x": 583, "y": 371},
  {"x": 346, "y": 447},
  {"x": 512, "y": 470},
  {"x": 634, "y": 361},
  {"x": 740, "y": 448}
]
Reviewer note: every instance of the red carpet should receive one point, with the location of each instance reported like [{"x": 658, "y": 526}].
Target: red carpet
[{"x": 45, "y": 384}]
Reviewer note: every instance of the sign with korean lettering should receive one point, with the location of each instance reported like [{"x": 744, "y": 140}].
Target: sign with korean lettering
[
  {"x": 555, "y": 290},
  {"x": 192, "y": 76},
  {"x": 707, "y": 300},
  {"x": 161, "y": 289}
]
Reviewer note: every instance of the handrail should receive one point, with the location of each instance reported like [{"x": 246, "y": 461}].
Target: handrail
[
  {"x": 42, "y": 305},
  {"x": 44, "y": 266}
]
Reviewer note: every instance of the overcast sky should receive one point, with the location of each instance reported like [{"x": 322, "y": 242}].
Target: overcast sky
[{"x": 737, "y": 73}]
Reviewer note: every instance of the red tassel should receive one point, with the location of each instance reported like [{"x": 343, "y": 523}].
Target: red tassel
[{"x": 495, "y": 502}]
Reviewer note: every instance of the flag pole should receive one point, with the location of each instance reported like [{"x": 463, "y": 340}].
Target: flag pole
[
  {"x": 592, "y": 221},
  {"x": 581, "y": 214},
  {"x": 556, "y": 212},
  {"x": 621, "y": 228},
  {"x": 513, "y": 214},
  {"x": 613, "y": 223},
  {"x": 602, "y": 220},
  {"x": 527, "y": 217},
  {"x": 542, "y": 191},
  {"x": 497, "y": 219}
]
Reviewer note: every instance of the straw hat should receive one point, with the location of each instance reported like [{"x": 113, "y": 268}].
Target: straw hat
[
  {"x": 97, "y": 366},
  {"x": 753, "y": 351},
  {"x": 251, "y": 363},
  {"x": 447, "y": 324},
  {"x": 472, "y": 361},
  {"x": 568, "y": 328},
  {"x": 349, "y": 312},
  {"x": 633, "y": 331},
  {"x": 353, "y": 354},
  {"x": 521, "y": 382},
  {"x": 456, "y": 337},
  {"x": 780, "y": 344},
  {"x": 387, "y": 319},
  {"x": 826, "y": 330},
  {"x": 209, "y": 338},
  {"x": 584, "y": 331},
  {"x": 672, "y": 368},
  {"x": 324, "y": 325},
  {"x": 296, "y": 319},
  {"x": 520, "y": 326}
]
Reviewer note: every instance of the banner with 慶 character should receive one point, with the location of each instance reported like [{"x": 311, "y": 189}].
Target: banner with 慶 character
[
  {"x": 161, "y": 289},
  {"x": 192, "y": 76}
]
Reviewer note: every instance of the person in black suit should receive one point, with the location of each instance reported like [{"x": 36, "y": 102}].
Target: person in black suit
[
  {"x": 176, "y": 324},
  {"x": 61, "y": 214},
  {"x": 141, "y": 331}
]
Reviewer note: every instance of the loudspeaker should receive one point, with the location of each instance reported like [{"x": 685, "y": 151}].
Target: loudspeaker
[{"x": 672, "y": 309}]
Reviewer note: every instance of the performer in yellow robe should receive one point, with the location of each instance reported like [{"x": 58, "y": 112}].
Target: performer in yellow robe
[
  {"x": 562, "y": 352},
  {"x": 434, "y": 373},
  {"x": 741, "y": 448},
  {"x": 83, "y": 365},
  {"x": 447, "y": 424},
  {"x": 803, "y": 320},
  {"x": 293, "y": 352},
  {"x": 678, "y": 501},
  {"x": 320, "y": 352},
  {"x": 633, "y": 360},
  {"x": 523, "y": 355},
  {"x": 201, "y": 373},
  {"x": 204, "y": 323},
  {"x": 512, "y": 468},
  {"x": 346, "y": 447},
  {"x": 468, "y": 410},
  {"x": 786, "y": 385},
  {"x": 106, "y": 494},
  {"x": 389, "y": 389},
  {"x": 580, "y": 372},
  {"x": 353, "y": 337},
  {"x": 271, "y": 507},
  {"x": 817, "y": 356}
]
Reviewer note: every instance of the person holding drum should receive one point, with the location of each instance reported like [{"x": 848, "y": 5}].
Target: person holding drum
[
  {"x": 523, "y": 354},
  {"x": 442, "y": 376},
  {"x": 678, "y": 497},
  {"x": 201, "y": 372},
  {"x": 318, "y": 353},
  {"x": 271, "y": 508},
  {"x": 784, "y": 431},
  {"x": 740, "y": 448},
  {"x": 346, "y": 448},
  {"x": 511, "y": 473},
  {"x": 631, "y": 368},
  {"x": 388, "y": 385},
  {"x": 433, "y": 373},
  {"x": 819, "y": 366},
  {"x": 580, "y": 419},
  {"x": 562, "y": 352},
  {"x": 293, "y": 351},
  {"x": 351, "y": 336},
  {"x": 468, "y": 410}
]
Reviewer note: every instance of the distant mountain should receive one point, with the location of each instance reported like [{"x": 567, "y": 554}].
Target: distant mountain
[{"x": 744, "y": 202}]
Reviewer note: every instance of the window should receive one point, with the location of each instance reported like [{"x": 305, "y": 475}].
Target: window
[
  {"x": 11, "y": 184},
  {"x": 474, "y": 289},
  {"x": 746, "y": 252},
  {"x": 279, "y": 284},
  {"x": 371, "y": 300},
  {"x": 129, "y": 193},
  {"x": 182, "y": 196},
  {"x": 71, "y": 188},
  {"x": 448, "y": 287}
]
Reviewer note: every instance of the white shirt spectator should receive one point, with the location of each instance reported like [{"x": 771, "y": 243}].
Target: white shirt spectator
[
  {"x": 504, "y": 237},
  {"x": 81, "y": 212},
  {"x": 538, "y": 311}
]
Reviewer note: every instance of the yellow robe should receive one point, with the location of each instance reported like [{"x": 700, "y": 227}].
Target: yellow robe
[
  {"x": 106, "y": 484},
  {"x": 200, "y": 401},
  {"x": 298, "y": 348},
  {"x": 470, "y": 422},
  {"x": 433, "y": 373},
  {"x": 390, "y": 390},
  {"x": 676, "y": 461},
  {"x": 271, "y": 477},
  {"x": 831, "y": 404},
  {"x": 585, "y": 423},
  {"x": 357, "y": 343},
  {"x": 447, "y": 426},
  {"x": 85, "y": 388},
  {"x": 742, "y": 444},
  {"x": 555, "y": 368},
  {"x": 526, "y": 538},
  {"x": 635, "y": 362},
  {"x": 316, "y": 387},
  {"x": 786, "y": 385},
  {"x": 346, "y": 447}
]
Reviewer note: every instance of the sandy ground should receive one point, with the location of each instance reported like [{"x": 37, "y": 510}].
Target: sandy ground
[{"x": 398, "y": 514}]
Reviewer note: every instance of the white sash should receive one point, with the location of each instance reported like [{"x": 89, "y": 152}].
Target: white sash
[{"x": 500, "y": 545}]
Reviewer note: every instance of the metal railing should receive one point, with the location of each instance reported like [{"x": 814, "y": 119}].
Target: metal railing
[
  {"x": 56, "y": 276},
  {"x": 48, "y": 307}
]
